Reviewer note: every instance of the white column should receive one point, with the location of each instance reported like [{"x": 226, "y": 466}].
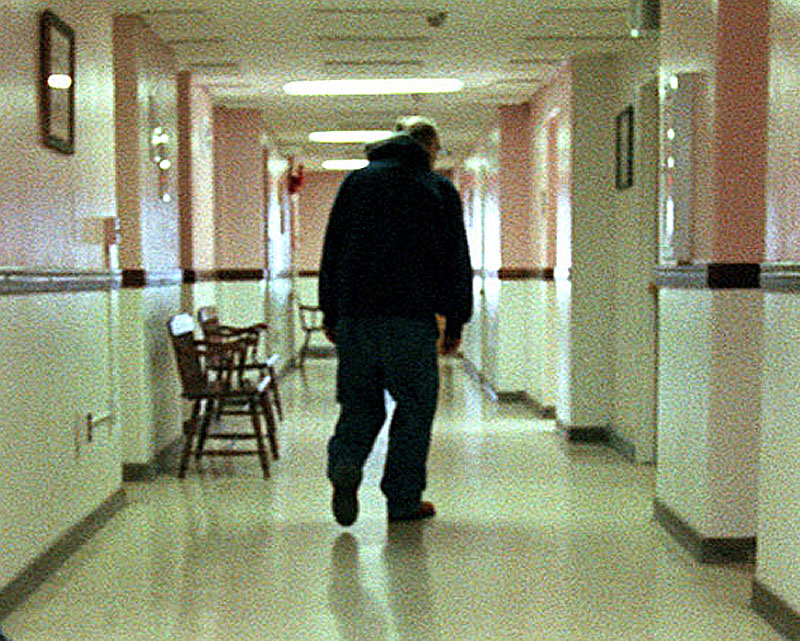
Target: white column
[{"x": 584, "y": 403}]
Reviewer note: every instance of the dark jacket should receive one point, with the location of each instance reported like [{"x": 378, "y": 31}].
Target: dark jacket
[{"x": 395, "y": 243}]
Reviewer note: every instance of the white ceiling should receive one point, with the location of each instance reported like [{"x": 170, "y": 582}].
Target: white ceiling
[{"x": 246, "y": 51}]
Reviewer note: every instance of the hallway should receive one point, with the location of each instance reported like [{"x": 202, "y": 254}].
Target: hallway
[{"x": 533, "y": 540}]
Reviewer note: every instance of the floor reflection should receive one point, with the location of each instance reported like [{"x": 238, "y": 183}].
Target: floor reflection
[
  {"x": 358, "y": 611},
  {"x": 409, "y": 582}
]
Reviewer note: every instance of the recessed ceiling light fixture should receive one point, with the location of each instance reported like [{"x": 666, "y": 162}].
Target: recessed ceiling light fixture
[
  {"x": 364, "y": 136},
  {"x": 377, "y": 86},
  {"x": 344, "y": 165}
]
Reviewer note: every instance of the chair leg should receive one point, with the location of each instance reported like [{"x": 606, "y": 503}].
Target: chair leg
[
  {"x": 304, "y": 348},
  {"x": 259, "y": 435},
  {"x": 271, "y": 426},
  {"x": 208, "y": 415},
  {"x": 273, "y": 385},
  {"x": 190, "y": 429}
]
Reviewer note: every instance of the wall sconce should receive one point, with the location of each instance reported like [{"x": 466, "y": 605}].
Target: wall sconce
[{"x": 159, "y": 155}]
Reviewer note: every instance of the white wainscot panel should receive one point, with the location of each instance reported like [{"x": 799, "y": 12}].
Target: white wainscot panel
[
  {"x": 517, "y": 333},
  {"x": 53, "y": 474},
  {"x": 683, "y": 406},
  {"x": 779, "y": 471}
]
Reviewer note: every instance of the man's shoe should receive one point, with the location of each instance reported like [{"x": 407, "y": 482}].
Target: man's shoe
[
  {"x": 344, "y": 504},
  {"x": 424, "y": 511}
]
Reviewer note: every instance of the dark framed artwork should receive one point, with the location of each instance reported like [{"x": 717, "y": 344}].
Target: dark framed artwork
[
  {"x": 624, "y": 172},
  {"x": 56, "y": 83}
]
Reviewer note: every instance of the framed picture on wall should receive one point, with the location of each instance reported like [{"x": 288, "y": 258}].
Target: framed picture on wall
[
  {"x": 624, "y": 172},
  {"x": 56, "y": 83}
]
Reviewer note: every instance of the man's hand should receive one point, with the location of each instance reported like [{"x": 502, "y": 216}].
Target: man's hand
[
  {"x": 449, "y": 346},
  {"x": 330, "y": 335}
]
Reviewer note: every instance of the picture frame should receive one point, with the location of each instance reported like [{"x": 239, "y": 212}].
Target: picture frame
[
  {"x": 624, "y": 166},
  {"x": 56, "y": 83}
]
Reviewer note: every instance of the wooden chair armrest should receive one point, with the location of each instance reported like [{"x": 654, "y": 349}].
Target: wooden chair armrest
[
  {"x": 230, "y": 329},
  {"x": 249, "y": 329},
  {"x": 222, "y": 346},
  {"x": 224, "y": 335},
  {"x": 248, "y": 339},
  {"x": 270, "y": 363},
  {"x": 229, "y": 346}
]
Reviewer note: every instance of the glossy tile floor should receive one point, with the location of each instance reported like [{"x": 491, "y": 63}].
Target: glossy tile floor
[{"x": 534, "y": 540}]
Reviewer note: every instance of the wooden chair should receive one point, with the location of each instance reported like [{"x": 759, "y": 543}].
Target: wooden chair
[
  {"x": 310, "y": 322},
  {"x": 208, "y": 373},
  {"x": 214, "y": 331}
]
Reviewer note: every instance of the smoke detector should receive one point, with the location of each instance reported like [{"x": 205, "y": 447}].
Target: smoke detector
[{"x": 436, "y": 20}]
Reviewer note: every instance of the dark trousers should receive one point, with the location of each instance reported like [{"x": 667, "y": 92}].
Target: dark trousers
[{"x": 398, "y": 355}]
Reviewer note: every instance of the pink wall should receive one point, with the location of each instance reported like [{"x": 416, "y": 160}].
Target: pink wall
[
  {"x": 196, "y": 180},
  {"x": 146, "y": 97},
  {"x": 52, "y": 205},
  {"x": 783, "y": 176},
  {"x": 517, "y": 215},
  {"x": 551, "y": 117},
  {"x": 128, "y": 140},
  {"x": 239, "y": 184},
  {"x": 728, "y": 40},
  {"x": 316, "y": 200},
  {"x": 740, "y": 129}
]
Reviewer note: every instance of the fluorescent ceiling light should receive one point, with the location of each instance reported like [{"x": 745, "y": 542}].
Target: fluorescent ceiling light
[
  {"x": 344, "y": 165},
  {"x": 372, "y": 87},
  {"x": 59, "y": 81},
  {"x": 349, "y": 136}
]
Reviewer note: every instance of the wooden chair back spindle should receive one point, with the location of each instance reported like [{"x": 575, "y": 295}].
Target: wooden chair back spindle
[
  {"x": 208, "y": 318},
  {"x": 193, "y": 377},
  {"x": 310, "y": 322}
]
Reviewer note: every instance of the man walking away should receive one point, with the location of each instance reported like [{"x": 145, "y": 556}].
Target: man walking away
[{"x": 395, "y": 255}]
